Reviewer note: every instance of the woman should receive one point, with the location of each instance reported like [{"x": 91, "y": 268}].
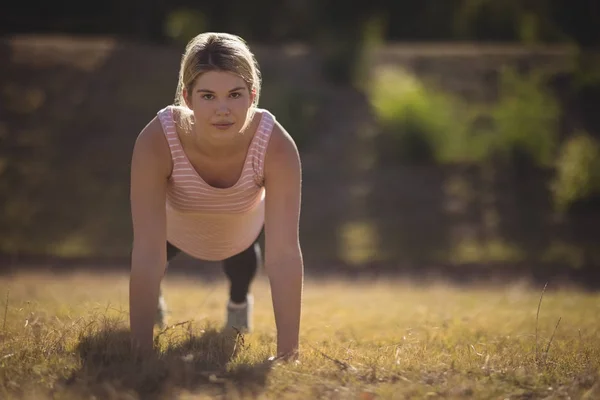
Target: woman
[{"x": 207, "y": 175}]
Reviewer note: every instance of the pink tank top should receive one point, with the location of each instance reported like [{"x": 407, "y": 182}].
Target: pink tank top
[{"x": 215, "y": 223}]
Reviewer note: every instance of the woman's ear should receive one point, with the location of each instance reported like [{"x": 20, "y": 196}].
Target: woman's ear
[
  {"x": 187, "y": 98},
  {"x": 253, "y": 95}
]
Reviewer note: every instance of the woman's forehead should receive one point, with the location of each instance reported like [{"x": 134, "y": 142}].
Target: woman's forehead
[{"x": 219, "y": 81}]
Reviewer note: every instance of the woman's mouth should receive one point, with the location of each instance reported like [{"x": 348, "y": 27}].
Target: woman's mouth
[{"x": 223, "y": 126}]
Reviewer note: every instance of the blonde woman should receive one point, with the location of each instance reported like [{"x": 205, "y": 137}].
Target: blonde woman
[{"x": 208, "y": 173}]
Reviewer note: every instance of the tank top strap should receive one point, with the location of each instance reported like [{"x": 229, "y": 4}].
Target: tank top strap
[
  {"x": 165, "y": 116},
  {"x": 259, "y": 146}
]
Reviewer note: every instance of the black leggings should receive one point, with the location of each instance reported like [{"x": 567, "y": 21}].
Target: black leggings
[{"x": 240, "y": 269}]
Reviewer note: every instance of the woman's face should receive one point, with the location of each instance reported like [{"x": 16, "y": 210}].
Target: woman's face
[{"x": 221, "y": 104}]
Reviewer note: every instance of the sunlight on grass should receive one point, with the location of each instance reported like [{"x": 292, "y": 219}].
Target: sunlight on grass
[{"x": 67, "y": 337}]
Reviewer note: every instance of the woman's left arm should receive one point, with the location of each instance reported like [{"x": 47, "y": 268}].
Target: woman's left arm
[{"x": 283, "y": 255}]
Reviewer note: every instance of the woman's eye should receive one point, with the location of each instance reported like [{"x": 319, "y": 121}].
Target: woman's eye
[
  {"x": 207, "y": 96},
  {"x": 236, "y": 95}
]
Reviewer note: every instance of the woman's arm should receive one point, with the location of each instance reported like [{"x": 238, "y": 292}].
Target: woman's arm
[
  {"x": 283, "y": 254},
  {"x": 150, "y": 166}
]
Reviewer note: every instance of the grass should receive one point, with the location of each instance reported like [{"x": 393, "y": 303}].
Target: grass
[{"x": 65, "y": 337}]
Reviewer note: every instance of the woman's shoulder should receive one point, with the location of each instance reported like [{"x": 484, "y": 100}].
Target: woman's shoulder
[
  {"x": 152, "y": 146},
  {"x": 152, "y": 135},
  {"x": 262, "y": 112},
  {"x": 281, "y": 143},
  {"x": 177, "y": 112}
]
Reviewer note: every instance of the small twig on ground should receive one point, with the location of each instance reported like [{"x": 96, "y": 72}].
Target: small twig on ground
[
  {"x": 341, "y": 364},
  {"x": 239, "y": 341},
  {"x": 5, "y": 313},
  {"x": 169, "y": 327},
  {"x": 119, "y": 310},
  {"x": 551, "y": 337},
  {"x": 537, "y": 317}
]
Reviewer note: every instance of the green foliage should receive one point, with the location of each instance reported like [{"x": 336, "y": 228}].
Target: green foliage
[
  {"x": 577, "y": 170},
  {"x": 421, "y": 124},
  {"x": 526, "y": 118}
]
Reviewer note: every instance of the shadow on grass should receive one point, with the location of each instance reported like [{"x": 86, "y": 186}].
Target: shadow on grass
[{"x": 195, "y": 364}]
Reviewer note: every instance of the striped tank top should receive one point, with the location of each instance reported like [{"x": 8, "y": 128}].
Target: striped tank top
[{"x": 212, "y": 223}]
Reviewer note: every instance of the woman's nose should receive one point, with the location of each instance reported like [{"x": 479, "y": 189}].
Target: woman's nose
[{"x": 223, "y": 109}]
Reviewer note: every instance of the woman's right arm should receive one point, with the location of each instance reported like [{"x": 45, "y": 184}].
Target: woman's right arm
[{"x": 150, "y": 168}]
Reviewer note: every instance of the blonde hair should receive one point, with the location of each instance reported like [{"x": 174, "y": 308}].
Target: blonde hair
[{"x": 213, "y": 51}]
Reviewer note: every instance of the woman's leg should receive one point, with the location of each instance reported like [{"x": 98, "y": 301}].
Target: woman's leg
[
  {"x": 172, "y": 251},
  {"x": 241, "y": 270}
]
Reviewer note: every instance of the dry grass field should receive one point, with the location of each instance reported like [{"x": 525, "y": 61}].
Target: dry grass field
[{"x": 65, "y": 337}]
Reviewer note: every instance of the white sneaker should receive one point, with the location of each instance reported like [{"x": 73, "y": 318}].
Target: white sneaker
[
  {"x": 161, "y": 313},
  {"x": 239, "y": 316}
]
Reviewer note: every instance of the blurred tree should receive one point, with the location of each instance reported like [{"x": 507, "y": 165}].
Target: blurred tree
[
  {"x": 307, "y": 20},
  {"x": 508, "y": 21}
]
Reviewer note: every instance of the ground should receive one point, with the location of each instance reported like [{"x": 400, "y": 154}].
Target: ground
[{"x": 65, "y": 336}]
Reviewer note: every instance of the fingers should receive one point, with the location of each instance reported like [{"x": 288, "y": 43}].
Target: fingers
[{"x": 292, "y": 356}]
